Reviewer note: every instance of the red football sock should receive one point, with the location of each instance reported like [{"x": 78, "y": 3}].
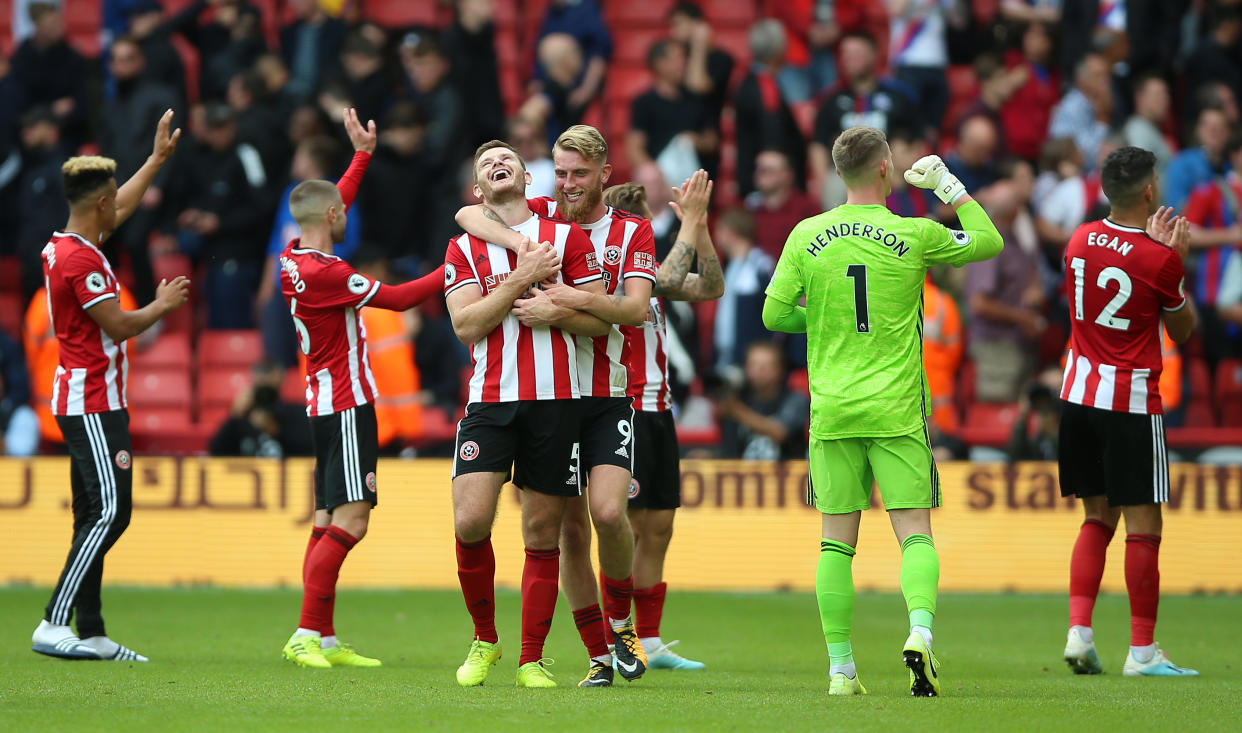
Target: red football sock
[
  {"x": 316, "y": 533},
  {"x": 1143, "y": 583},
  {"x": 648, "y": 608},
  {"x": 590, "y": 623},
  {"x": 1086, "y": 570},
  {"x": 319, "y": 591},
  {"x": 476, "y": 570},
  {"x": 539, "y": 578},
  {"x": 618, "y": 595}
]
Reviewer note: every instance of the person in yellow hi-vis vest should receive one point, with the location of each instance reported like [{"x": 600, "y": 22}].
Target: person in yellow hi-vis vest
[{"x": 942, "y": 354}]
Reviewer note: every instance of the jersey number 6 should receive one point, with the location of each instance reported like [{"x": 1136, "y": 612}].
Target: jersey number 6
[{"x": 300, "y": 327}]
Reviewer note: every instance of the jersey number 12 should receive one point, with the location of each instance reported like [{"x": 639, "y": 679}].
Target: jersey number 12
[
  {"x": 1108, "y": 317},
  {"x": 858, "y": 273}
]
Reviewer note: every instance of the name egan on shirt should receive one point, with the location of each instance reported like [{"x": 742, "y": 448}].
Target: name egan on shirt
[
  {"x": 858, "y": 229},
  {"x": 1100, "y": 239}
]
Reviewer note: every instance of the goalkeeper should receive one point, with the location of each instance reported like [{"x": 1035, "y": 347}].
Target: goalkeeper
[{"x": 861, "y": 269}]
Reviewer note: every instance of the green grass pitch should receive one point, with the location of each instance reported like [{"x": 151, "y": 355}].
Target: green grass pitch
[{"x": 217, "y": 666}]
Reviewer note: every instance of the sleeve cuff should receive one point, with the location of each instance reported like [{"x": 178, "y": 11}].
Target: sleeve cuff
[
  {"x": 458, "y": 285},
  {"x": 589, "y": 279},
  {"x": 367, "y": 298},
  {"x": 637, "y": 273},
  {"x": 1176, "y": 308},
  {"x": 96, "y": 301}
]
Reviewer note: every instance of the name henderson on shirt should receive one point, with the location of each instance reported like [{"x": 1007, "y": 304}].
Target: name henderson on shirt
[{"x": 858, "y": 229}]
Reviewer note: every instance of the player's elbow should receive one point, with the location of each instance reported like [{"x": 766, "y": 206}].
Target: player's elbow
[
  {"x": 774, "y": 312},
  {"x": 1181, "y": 325},
  {"x": 634, "y": 313},
  {"x": 462, "y": 217}
]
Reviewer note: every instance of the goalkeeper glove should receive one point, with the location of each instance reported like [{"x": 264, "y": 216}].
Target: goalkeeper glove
[{"x": 931, "y": 172}]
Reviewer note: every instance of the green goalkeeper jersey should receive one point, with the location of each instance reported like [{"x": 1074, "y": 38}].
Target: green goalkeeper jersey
[{"x": 861, "y": 269}]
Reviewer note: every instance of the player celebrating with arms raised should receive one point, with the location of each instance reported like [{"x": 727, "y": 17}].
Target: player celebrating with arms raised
[
  {"x": 861, "y": 269},
  {"x": 88, "y": 397},
  {"x": 324, "y": 295},
  {"x": 522, "y": 414},
  {"x": 1123, "y": 281}
]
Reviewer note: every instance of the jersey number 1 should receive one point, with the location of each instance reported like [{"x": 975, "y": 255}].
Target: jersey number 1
[
  {"x": 1108, "y": 317},
  {"x": 858, "y": 273}
]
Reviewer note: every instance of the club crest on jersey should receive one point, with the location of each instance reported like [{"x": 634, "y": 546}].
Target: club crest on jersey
[
  {"x": 612, "y": 254},
  {"x": 634, "y": 488},
  {"x": 371, "y": 482},
  {"x": 469, "y": 451},
  {"x": 123, "y": 460},
  {"x": 96, "y": 282},
  {"x": 450, "y": 274},
  {"x": 357, "y": 284}
]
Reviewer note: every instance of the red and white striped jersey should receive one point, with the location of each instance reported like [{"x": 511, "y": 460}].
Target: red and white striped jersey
[
  {"x": 646, "y": 358},
  {"x": 1119, "y": 282},
  {"x": 324, "y": 295},
  {"x": 515, "y": 361},
  {"x": 93, "y": 370},
  {"x": 625, "y": 247}
]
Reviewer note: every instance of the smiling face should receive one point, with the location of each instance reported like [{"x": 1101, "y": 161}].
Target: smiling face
[
  {"x": 579, "y": 183},
  {"x": 500, "y": 175}
]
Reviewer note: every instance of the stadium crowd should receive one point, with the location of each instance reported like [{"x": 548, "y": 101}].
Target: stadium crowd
[{"x": 1023, "y": 98}]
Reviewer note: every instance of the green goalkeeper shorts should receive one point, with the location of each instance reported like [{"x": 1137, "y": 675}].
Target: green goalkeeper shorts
[{"x": 843, "y": 472}]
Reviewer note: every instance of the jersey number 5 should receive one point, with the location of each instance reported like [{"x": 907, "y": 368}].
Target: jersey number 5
[
  {"x": 858, "y": 273},
  {"x": 1108, "y": 317}
]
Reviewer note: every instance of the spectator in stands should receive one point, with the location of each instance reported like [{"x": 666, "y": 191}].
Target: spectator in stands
[
  {"x": 276, "y": 78},
  {"x": 550, "y": 105},
  {"x": 1034, "y": 436},
  {"x": 1214, "y": 58},
  {"x": 471, "y": 45},
  {"x": 996, "y": 85},
  {"x": 229, "y": 42},
  {"x": 19, "y": 426},
  {"x": 395, "y": 189},
  {"x": 223, "y": 206},
  {"x": 1215, "y": 214},
  {"x": 1084, "y": 112},
  {"x": 708, "y": 68},
  {"x": 163, "y": 63},
  {"x": 814, "y": 28},
  {"x": 51, "y": 74},
  {"x": 919, "y": 53},
  {"x": 124, "y": 135},
  {"x": 1038, "y": 89},
  {"x": 669, "y": 125},
  {"x": 942, "y": 354},
  {"x": 764, "y": 420},
  {"x": 582, "y": 20},
  {"x": 311, "y": 45},
  {"x": 762, "y": 115},
  {"x": 41, "y": 208},
  {"x": 368, "y": 81},
  {"x": 317, "y": 158},
  {"x": 1005, "y": 301},
  {"x": 739, "y": 320},
  {"x": 1145, "y": 127},
  {"x": 904, "y": 199},
  {"x": 532, "y": 145},
  {"x": 1201, "y": 164},
  {"x": 777, "y": 204},
  {"x": 1031, "y": 11},
  {"x": 260, "y": 119},
  {"x": 861, "y": 97},
  {"x": 262, "y": 425},
  {"x": 1076, "y": 199},
  {"x": 664, "y": 222},
  {"x": 973, "y": 159}
]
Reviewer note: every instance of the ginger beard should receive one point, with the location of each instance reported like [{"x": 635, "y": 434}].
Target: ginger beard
[
  {"x": 577, "y": 209},
  {"x": 579, "y": 184}
]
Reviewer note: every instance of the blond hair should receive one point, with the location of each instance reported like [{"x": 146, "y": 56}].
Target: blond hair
[
  {"x": 856, "y": 151},
  {"x": 85, "y": 175},
  {"x": 585, "y": 141},
  {"x": 631, "y": 197},
  {"x": 309, "y": 201}
]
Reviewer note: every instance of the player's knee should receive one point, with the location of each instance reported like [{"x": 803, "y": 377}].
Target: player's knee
[
  {"x": 575, "y": 535},
  {"x": 356, "y": 527},
  {"x": 610, "y": 517},
  {"x": 541, "y": 532},
  {"x": 471, "y": 527}
]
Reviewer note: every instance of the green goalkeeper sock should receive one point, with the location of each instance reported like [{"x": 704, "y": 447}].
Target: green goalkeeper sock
[
  {"x": 834, "y": 588},
  {"x": 920, "y": 573}
]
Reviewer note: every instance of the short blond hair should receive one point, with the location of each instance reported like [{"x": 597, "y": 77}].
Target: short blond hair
[
  {"x": 856, "y": 151},
  {"x": 585, "y": 141},
  {"x": 85, "y": 175},
  {"x": 630, "y": 197},
  {"x": 309, "y": 201}
]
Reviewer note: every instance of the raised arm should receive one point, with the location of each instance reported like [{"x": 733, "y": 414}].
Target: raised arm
[
  {"x": 672, "y": 278},
  {"x": 980, "y": 239},
  {"x": 364, "y": 139},
  {"x": 482, "y": 222},
  {"x": 129, "y": 195}
]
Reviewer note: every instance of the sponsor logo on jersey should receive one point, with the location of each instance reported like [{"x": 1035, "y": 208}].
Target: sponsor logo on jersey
[
  {"x": 450, "y": 274},
  {"x": 371, "y": 481},
  {"x": 962, "y": 238},
  {"x": 469, "y": 451},
  {"x": 96, "y": 282},
  {"x": 612, "y": 254},
  {"x": 123, "y": 460},
  {"x": 357, "y": 284},
  {"x": 634, "y": 488}
]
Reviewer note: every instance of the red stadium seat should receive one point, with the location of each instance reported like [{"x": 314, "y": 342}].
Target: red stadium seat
[
  {"x": 218, "y": 386},
  {"x": 1229, "y": 392},
  {"x": 800, "y": 381},
  {"x": 1199, "y": 380},
  {"x": 211, "y": 418},
  {"x": 804, "y": 113},
  {"x": 400, "y": 14},
  {"x": 438, "y": 427},
  {"x": 729, "y": 12},
  {"x": 629, "y": 13},
  {"x": 989, "y": 423},
  {"x": 230, "y": 348},
  {"x": 627, "y": 82},
  {"x": 631, "y": 47},
  {"x": 170, "y": 351},
  {"x": 167, "y": 388},
  {"x": 1199, "y": 414},
  {"x": 10, "y": 275},
  {"x": 700, "y": 437},
  {"x": 736, "y": 41},
  {"x": 11, "y": 314},
  {"x": 159, "y": 419},
  {"x": 293, "y": 388}
]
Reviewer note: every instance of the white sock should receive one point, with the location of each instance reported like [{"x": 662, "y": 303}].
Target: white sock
[
  {"x": 604, "y": 659},
  {"x": 305, "y": 632},
  {"x": 1086, "y": 633},
  {"x": 924, "y": 632},
  {"x": 619, "y": 623},
  {"x": 1143, "y": 654},
  {"x": 49, "y": 633},
  {"x": 651, "y": 643},
  {"x": 849, "y": 670},
  {"x": 102, "y": 644},
  {"x": 327, "y": 642}
]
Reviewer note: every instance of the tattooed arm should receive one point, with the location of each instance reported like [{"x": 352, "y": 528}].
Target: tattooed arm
[
  {"x": 485, "y": 224},
  {"x": 707, "y": 284}
]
